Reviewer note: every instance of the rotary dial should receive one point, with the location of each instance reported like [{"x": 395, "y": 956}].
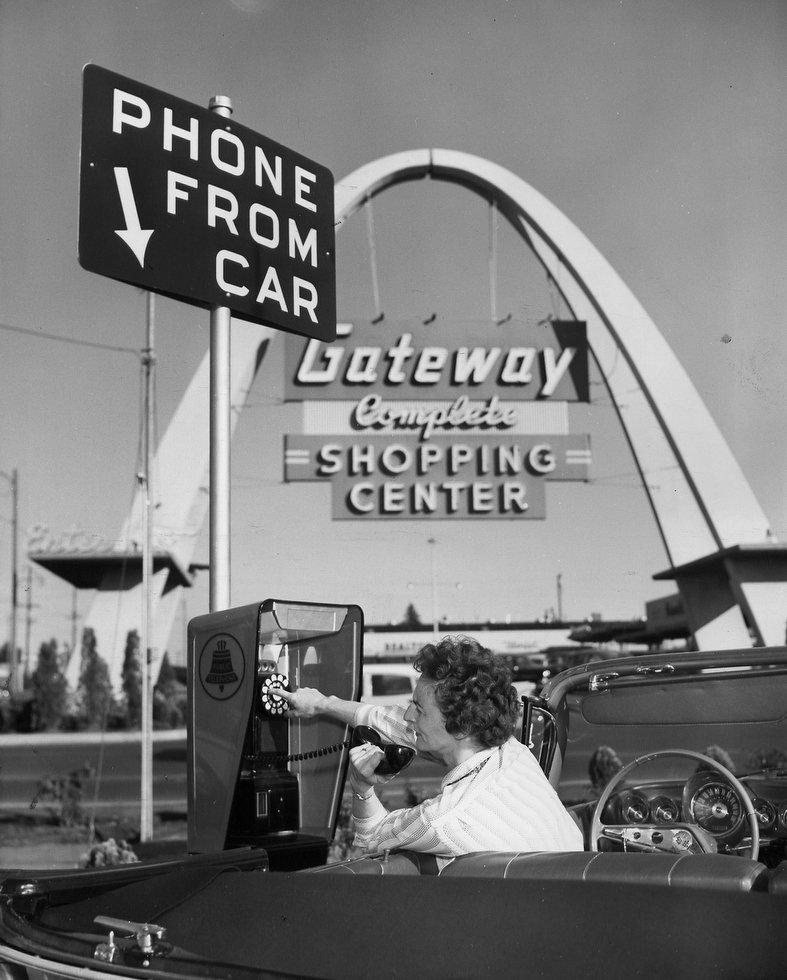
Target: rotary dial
[{"x": 271, "y": 701}]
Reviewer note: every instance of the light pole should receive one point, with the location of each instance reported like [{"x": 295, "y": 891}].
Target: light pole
[
  {"x": 15, "y": 679},
  {"x": 29, "y": 607},
  {"x": 434, "y": 584},
  {"x": 432, "y": 542},
  {"x": 560, "y": 597}
]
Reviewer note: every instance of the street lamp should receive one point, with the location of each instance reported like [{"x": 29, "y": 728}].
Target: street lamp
[
  {"x": 432, "y": 543},
  {"x": 560, "y": 597},
  {"x": 434, "y": 583}
]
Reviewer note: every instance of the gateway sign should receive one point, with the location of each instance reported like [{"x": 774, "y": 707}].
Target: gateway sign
[
  {"x": 537, "y": 363},
  {"x": 406, "y": 423}
]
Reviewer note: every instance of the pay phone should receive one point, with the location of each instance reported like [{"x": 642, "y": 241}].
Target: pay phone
[{"x": 257, "y": 776}]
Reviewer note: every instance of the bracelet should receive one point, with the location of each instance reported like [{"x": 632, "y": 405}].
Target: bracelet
[{"x": 363, "y": 799}]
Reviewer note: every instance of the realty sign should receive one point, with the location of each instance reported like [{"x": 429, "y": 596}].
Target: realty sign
[{"x": 181, "y": 200}]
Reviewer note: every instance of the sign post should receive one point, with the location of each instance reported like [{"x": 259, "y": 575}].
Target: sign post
[
  {"x": 145, "y": 646},
  {"x": 220, "y": 439}
]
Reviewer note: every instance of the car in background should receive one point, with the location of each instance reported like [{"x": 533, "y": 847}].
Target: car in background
[
  {"x": 394, "y": 683},
  {"x": 530, "y": 670},
  {"x": 388, "y": 683}
]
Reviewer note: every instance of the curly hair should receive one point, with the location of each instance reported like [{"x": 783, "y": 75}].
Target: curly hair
[{"x": 474, "y": 691}]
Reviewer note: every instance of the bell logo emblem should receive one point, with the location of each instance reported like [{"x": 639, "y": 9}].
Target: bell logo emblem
[
  {"x": 221, "y": 671},
  {"x": 221, "y": 667}
]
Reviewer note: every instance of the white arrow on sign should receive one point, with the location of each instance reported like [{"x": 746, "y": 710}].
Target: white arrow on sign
[{"x": 133, "y": 234}]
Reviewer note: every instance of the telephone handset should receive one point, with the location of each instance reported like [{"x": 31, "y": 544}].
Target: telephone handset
[{"x": 396, "y": 758}]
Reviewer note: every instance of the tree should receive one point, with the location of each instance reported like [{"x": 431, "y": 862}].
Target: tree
[
  {"x": 95, "y": 687},
  {"x": 132, "y": 680},
  {"x": 411, "y": 618},
  {"x": 169, "y": 698},
  {"x": 50, "y": 688},
  {"x": 166, "y": 682}
]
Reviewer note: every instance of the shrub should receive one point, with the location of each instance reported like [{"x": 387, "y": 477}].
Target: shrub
[
  {"x": 109, "y": 852},
  {"x": 64, "y": 794}
]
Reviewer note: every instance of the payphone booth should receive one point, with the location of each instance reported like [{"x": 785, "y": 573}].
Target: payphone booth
[{"x": 257, "y": 776}]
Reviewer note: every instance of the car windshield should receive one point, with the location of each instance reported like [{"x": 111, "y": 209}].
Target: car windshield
[{"x": 735, "y": 712}]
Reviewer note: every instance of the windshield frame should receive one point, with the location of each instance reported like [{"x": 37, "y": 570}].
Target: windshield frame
[{"x": 639, "y": 704}]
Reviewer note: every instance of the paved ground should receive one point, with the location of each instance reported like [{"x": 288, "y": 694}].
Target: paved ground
[
  {"x": 35, "y": 844},
  {"x": 44, "y": 855}
]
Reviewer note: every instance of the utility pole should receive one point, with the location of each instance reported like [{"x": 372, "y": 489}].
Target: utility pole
[
  {"x": 15, "y": 679},
  {"x": 29, "y": 606}
]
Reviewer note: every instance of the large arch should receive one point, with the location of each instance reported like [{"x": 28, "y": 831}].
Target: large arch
[
  {"x": 715, "y": 534},
  {"x": 716, "y": 537}
]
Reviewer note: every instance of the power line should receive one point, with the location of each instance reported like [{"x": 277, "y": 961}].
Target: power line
[{"x": 68, "y": 340}]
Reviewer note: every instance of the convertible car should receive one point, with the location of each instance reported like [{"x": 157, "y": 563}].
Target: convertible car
[{"x": 674, "y": 765}]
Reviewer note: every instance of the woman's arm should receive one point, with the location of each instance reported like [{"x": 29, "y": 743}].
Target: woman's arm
[{"x": 308, "y": 702}]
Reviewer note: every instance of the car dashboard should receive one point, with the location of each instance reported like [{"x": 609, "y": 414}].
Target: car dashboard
[{"x": 710, "y": 802}]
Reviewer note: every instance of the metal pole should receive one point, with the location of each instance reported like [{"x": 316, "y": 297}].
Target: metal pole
[
  {"x": 220, "y": 429},
  {"x": 16, "y": 679},
  {"x": 560, "y": 597},
  {"x": 28, "y": 620},
  {"x": 145, "y": 646},
  {"x": 435, "y": 627},
  {"x": 73, "y": 621}
]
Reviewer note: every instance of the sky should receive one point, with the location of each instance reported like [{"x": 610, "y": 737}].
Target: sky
[{"x": 656, "y": 127}]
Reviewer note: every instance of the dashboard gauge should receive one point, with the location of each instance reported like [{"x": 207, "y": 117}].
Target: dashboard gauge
[
  {"x": 766, "y": 813},
  {"x": 664, "y": 810},
  {"x": 633, "y": 807},
  {"x": 717, "y": 808}
]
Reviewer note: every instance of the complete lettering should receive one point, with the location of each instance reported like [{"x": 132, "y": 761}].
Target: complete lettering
[{"x": 371, "y": 413}]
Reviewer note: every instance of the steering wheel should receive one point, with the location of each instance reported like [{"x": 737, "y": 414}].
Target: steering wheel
[{"x": 676, "y": 838}]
